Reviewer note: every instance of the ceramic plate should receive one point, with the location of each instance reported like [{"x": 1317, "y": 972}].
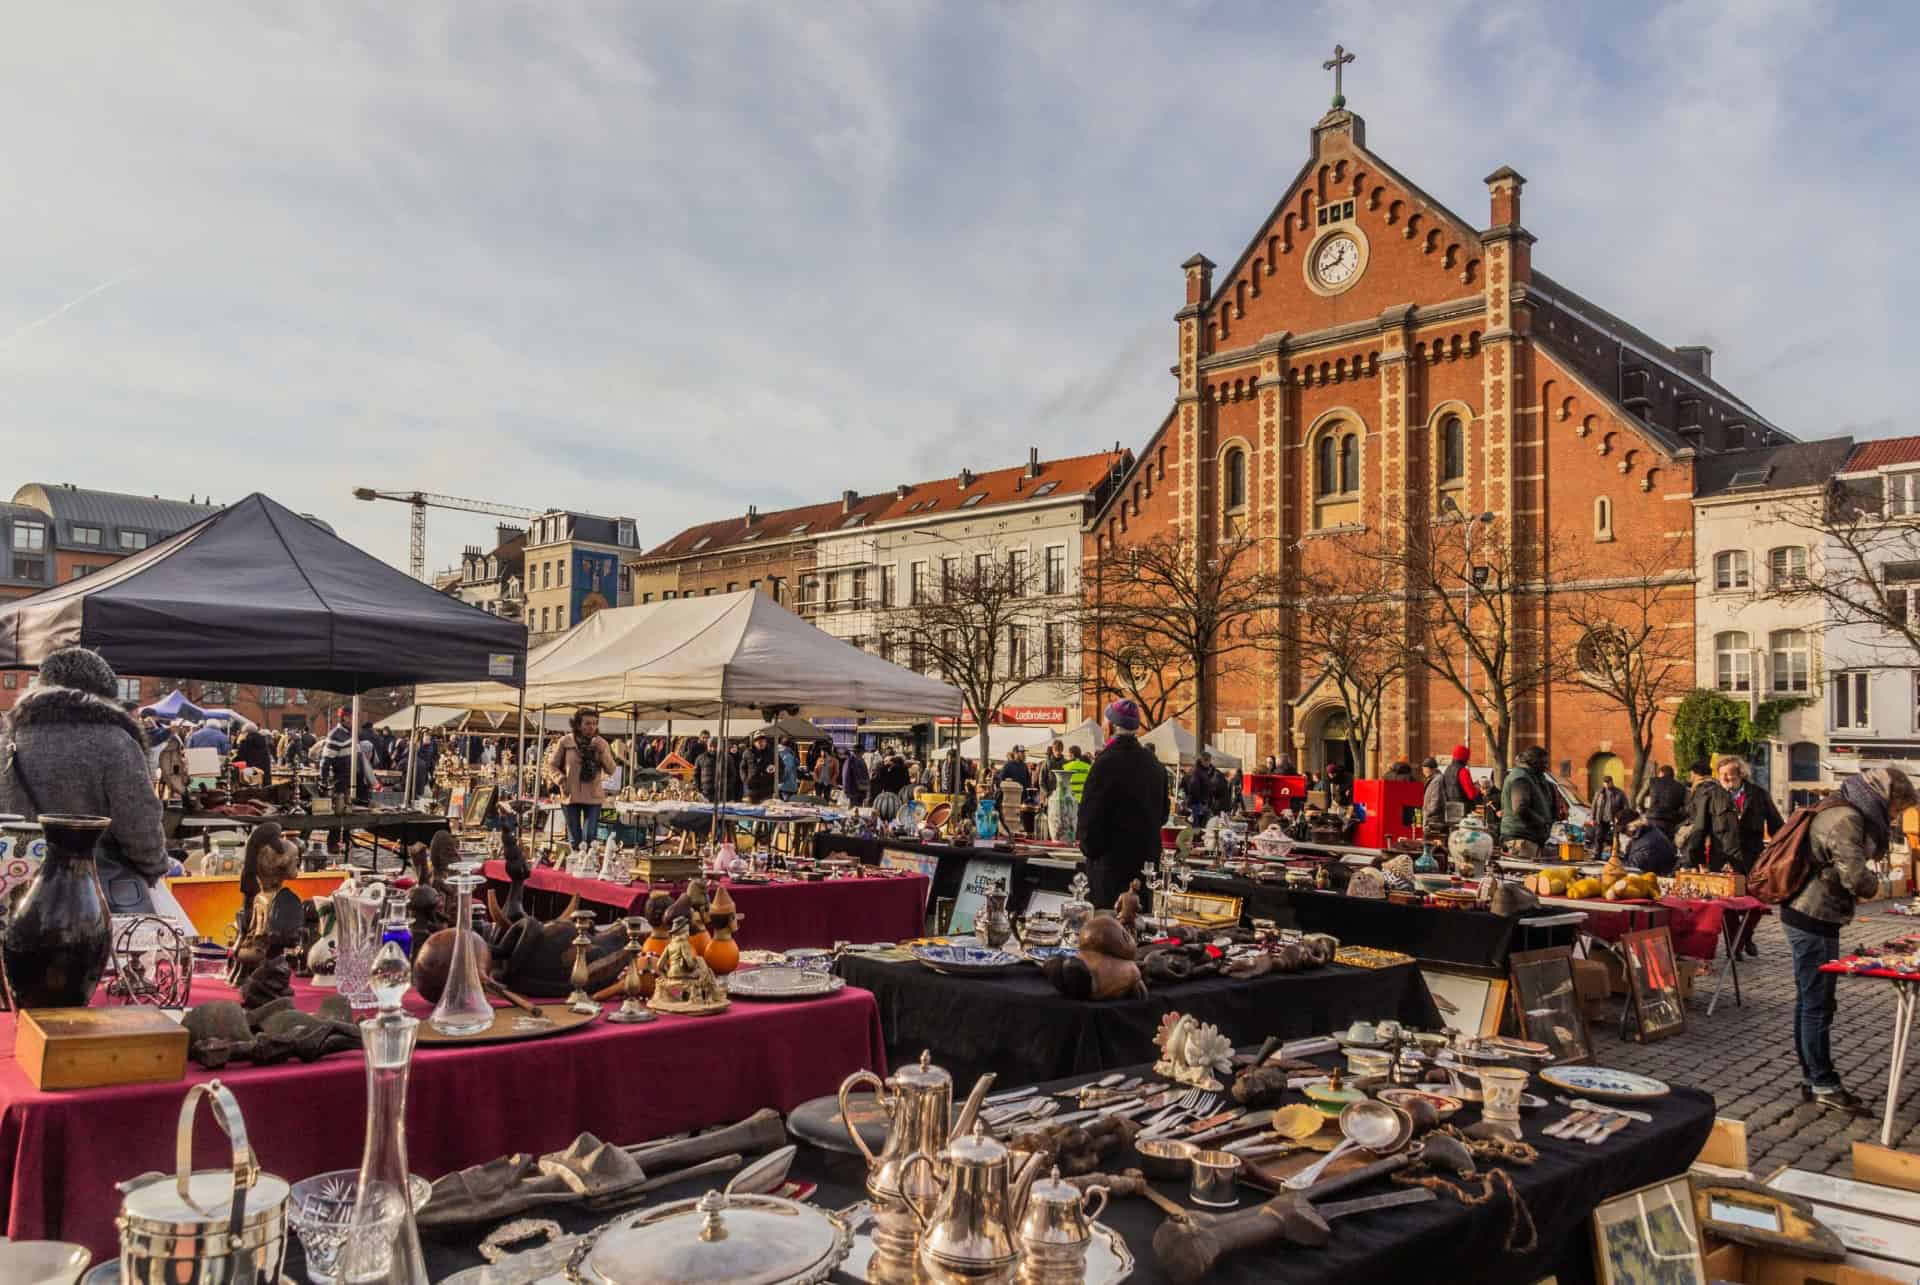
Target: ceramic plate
[
  {"x": 1040, "y": 954},
  {"x": 1603, "y": 1083},
  {"x": 966, "y": 961},
  {"x": 1523, "y": 1048},
  {"x": 782, "y": 983}
]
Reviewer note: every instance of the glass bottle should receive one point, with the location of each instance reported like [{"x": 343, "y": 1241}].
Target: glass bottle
[
  {"x": 397, "y": 927},
  {"x": 383, "y": 1243},
  {"x": 463, "y": 1008}
]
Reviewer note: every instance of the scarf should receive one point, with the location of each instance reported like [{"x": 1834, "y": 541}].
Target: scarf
[
  {"x": 589, "y": 761},
  {"x": 1867, "y": 793}
]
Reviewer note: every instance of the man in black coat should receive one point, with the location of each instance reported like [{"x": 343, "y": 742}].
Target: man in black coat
[
  {"x": 1666, "y": 801},
  {"x": 1122, "y": 808},
  {"x": 1712, "y": 838}
]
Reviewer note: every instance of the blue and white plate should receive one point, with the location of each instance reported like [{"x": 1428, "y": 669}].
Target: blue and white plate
[
  {"x": 1041, "y": 954},
  {"x": 1605, "y": 1084},
  {"x": 967, "y": 961}
]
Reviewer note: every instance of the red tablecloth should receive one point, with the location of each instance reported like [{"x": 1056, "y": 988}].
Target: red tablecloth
[
  {"x": 62, "y": 1153},
  {"x": 1693, "y": 922},
  {"x": 775, "y": 916}
]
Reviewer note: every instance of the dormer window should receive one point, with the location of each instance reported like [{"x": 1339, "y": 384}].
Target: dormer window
[
  {"x": 973, "y": 499},
  {"x": 1903, "y": 495},
  {"x": 1045, "y": 488},
  {"x": 1334, "y": 212}
]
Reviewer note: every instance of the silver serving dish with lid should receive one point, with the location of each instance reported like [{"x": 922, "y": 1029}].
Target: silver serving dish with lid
[
  {"x": 740, "y": 1239},
  {"x": 216, "y": 1227}
]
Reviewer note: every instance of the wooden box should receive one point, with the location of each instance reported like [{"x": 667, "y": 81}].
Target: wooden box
[
  {"x": 84, "y": 1048},
  {"x": 1708, "y": 883},
  {"x": 1202, "y": 909}
]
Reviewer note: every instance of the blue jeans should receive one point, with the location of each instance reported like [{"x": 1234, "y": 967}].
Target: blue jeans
[
  {"x": 1814, "y": 1003},
  {"x": 583, "y": 823}
]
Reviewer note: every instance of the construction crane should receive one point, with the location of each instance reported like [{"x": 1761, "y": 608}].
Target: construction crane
[{"x": 417, "y": 525}]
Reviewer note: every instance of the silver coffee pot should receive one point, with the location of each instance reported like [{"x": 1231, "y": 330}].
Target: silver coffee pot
[
  {"x": 1055, "y": 1231},
  {"x": 967, "y": 1238}
]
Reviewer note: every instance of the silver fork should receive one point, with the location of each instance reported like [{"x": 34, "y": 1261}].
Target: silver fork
[{"x": 1194, "y": 1105}]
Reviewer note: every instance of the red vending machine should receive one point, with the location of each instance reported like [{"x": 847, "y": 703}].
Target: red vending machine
[
  {"x": 1278, "y": 793},
  {"x": 1392, "y": 807}
]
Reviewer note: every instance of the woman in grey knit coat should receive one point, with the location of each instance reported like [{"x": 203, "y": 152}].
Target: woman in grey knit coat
[{"x": 67, "y": 746}]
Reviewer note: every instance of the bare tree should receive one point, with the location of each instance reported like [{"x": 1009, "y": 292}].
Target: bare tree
[
  {"x": 975, "y": 626},
  {"x": 1349, "y": 628},
  {"x": 1476, "y": 616},
  {"x": 1158, "y": 618},
  {"x": 1634, "y": 646},
  {"x": 1864, "y": 565}
]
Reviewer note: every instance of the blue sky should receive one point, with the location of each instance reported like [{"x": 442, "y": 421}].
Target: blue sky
[{"x": 668, "y": 260}]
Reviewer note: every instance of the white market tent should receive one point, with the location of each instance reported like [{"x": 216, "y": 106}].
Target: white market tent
[
  {"x": 1175, "y": 744},
  {"x": 728, "y": 654},
  {"x": 1089, "y": 736},
  {"x": 1001, "y": 740},
  {"x": 424, "y": 717}
]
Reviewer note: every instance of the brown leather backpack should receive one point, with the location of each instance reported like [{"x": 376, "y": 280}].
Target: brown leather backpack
[{"x": 1786, "y": 864}]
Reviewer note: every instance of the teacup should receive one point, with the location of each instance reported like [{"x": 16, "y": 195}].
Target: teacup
[{"x": 1362, "y": 1033}]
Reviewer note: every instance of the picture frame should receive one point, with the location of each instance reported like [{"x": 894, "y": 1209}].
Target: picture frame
[
  {"x": 1468, "y": 1002},
  {"x": 1656, "y": 1008},
  {"x": 476, "y": 809},
  {"x": 1648, "y": 1237},
  {"x": 1546, "y": 1003}
]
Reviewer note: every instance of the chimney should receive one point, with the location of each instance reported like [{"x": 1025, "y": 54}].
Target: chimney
[
  {"x": 901, "y": 491},
  {"x": 848, "y": 499},
  {"x": 1697, "y": 358},
  {"x": 753, "y": 514},
  {"x": 1033, "y": 461},
  {"x": 1503, "y": 191},
  {"x": 966, "y": 478},
  {"x": 1199, "y": 280}
]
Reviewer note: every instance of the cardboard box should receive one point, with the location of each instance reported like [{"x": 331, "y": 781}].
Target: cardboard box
[
  {"x": 1593, "y": 989},
  {"x": 85, "y": 1048}
]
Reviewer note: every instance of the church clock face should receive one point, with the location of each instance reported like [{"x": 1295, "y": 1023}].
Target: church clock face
[{"x": 1336, "y": 261}]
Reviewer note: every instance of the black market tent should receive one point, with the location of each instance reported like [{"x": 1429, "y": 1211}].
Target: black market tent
[{"x": 257, "y": 594}]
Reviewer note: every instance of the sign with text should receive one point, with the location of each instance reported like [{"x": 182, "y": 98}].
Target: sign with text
[
  {"x": 981, "y": 878},
  {"x": 1021, "y": 716}
]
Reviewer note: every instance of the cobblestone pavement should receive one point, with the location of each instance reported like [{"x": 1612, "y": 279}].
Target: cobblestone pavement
[{"x": 1744, "y": 1056}]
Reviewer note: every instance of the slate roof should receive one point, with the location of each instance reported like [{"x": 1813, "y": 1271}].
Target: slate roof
[
  {"x": 111, "y": 510},
  {"x": 1772, "y": 468}
]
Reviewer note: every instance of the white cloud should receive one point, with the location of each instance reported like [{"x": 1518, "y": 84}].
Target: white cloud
[{"x": 672, "y": 260}]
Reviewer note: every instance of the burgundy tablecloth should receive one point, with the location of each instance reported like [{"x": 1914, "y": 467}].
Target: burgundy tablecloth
[
  {"x": 775, "y": 916},
  {"x": 1695, "y": 923},
  {"x": 62, "y": 1153}
]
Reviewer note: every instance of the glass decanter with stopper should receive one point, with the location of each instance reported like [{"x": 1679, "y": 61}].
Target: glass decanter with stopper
[
  {"x": 463, "y": 1008},
  {"x": 383, "y": 1243}
]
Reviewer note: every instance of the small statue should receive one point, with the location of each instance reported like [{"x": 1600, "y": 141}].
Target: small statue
[
  {"x": 992, "y": 925},
  {"x": 1104, "y": 967},
  {"x": 519, "y": 870},
  {"x": 685, "y": 983},
  {"x": 1127, "y": 908},
  {"x": 1190, "y": 1052},
  {"x": 723, "y": 953},
  {"x": 272, "y": 919},
  {"x": 426, "y": 914}
]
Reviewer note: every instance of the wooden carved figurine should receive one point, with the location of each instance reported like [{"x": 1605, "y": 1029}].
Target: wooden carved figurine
[
  {"x": 722, "y": 953},
  {"x": 1104, "y": 966},
  {"x": 1127, "y": 908},
  {"x": 272, "y": 918}
]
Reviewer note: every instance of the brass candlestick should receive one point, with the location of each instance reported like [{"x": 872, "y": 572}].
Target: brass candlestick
[
  {"x": 581, "y": 1001},
  {"x": 631, "y": 1008}
]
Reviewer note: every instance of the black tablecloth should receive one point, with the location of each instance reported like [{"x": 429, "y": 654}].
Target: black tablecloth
[
  {"x": 1442, "y": 1242},
  {"x": 1468, "y": 938},
  {"x": 1021, "y": 1028}
]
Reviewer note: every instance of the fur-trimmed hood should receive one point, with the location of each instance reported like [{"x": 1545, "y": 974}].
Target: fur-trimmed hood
[{"x": 49, "y": 707}]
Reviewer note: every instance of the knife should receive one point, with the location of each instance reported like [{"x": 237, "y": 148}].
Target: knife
[
  {"x": 1012, "y": 1095},
  {"x": 1252, "y": 1122},
  {"x": 1613, "y": 1125},
  {"x": 1564, "y": 1126},
  {"x": 1211, "y": 1123},
  {"x": 1581, "y": 1104},
  {"x": 1386, "y": 1200}
]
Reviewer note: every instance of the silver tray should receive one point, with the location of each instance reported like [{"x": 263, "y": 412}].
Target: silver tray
[
  {"x": 782, "y": 983},
  {"x": 1109, "y": 1261}
]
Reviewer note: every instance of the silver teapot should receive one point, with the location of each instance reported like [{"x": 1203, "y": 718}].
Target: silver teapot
[
  {"x": 1055, "y": 1231},
  {"x": 967, "y": 1239},
  {"x": 918, "y": 1101}
]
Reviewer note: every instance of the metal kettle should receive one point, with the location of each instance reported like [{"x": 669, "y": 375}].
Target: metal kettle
[{"x": 968, "y": 1238}]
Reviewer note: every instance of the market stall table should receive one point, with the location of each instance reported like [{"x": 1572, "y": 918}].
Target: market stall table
[
  {"x": 408, "y": 827},
  {"x": 1032, "y": 868},
  {"x": 1442, "y": 1241},
  {"x": 63, "y": 1152},
  {"x": 1906, "y": 997},
  {"x": 781, "y": 915},
  {"x": 1699, "y": 926},
  {"x": 1020, "y": 1027}
]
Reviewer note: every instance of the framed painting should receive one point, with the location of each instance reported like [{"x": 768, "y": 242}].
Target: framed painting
[
  {"x": 1546, "y": 1004},
  {"x": 1653, "y": 980},
  {"x": 1467, "y": 1003},
  {"x": 477, "y": 808},
  {"x": 1648, "y": 1237}
]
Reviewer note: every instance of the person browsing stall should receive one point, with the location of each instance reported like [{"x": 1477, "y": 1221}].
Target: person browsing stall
[
  {"x": 1122, "y": 807},
  {"x": 576, "y": 768}
]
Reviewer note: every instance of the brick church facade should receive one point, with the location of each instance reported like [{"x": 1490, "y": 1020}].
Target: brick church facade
[{"x": 1370, "y": 354}]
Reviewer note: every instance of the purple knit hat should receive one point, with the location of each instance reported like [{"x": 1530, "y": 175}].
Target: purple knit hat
[{"x": 1124, "y": 715}]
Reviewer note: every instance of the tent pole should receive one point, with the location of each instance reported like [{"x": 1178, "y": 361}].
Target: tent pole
[
  {"x": 413, "y": 752},
  {"x": 353, "y": 777},
  {"x": 720, "y": 783},
  {"x": 520, "y": 755}
]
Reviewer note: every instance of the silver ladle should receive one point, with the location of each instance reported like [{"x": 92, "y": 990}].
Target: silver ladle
[{"x": 1370, "y": 1125}]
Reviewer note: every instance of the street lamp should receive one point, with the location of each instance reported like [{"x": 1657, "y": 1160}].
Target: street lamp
[{"x": 1476, "y": 577}]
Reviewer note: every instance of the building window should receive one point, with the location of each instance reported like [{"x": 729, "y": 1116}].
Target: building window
[
  {"x": 1902, "y": 583},
  {"x": 29, "y": 568},
  {"x": 833, "y": 590},
  {"x": 917, "y": 655},
  {"x": 646, "y": 598},
  {"x": 1233, "y": 480},
  {"x": 1730, "y": 569},
  {"x": 916, "y": 583},
  {"x": 81, "y": 570},
  {"x": 627, "y": 537},
  {"x": 9, "y": 681},
  {"x": 1787, "y": 566},
  {"x": 733, "y": 586},
  {"x": 87, "y": 535},
  {"x": 1056, "y": 569},
  {"x": 1056, "y": 644},
  {"x": 707, "y": 592},
  {"x": 30, "y": 536},
  {"x": 560, "y": 616},
  {"x": 560, "y": 573},
  {"x": 1453, "y": 450},
  {"x": 1903, "y": 494},
  {"x": 216, "y": 694},
  {"x": 1732, "y": 662},
  {"x": 858, "y": 594},
  {"x": 1324, "y": 475},
  {"x": 1602, "y": 518},
  {"x": 129, "y": 689},
  {"x": 858, "y": 642},
  {"x": 1792, "y": 666},
  {"x": 273, "y": 695},
  {"x": 1336, "y": 475},
  {"x": 133, "y": 540},
  {"x": 1850, "y": 707},
  {"x": 949, "y": 573},
  {"x": 889, "y": 590},
  {"x": 1803, "y": 761},
  {"x": 544, "y": 618},
  {"x": 546, "y": 575},
  {"x": 982, "y": 571},
  {"x": 1017, "y": 572},
  {"x": 1017, "y": 651}
]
